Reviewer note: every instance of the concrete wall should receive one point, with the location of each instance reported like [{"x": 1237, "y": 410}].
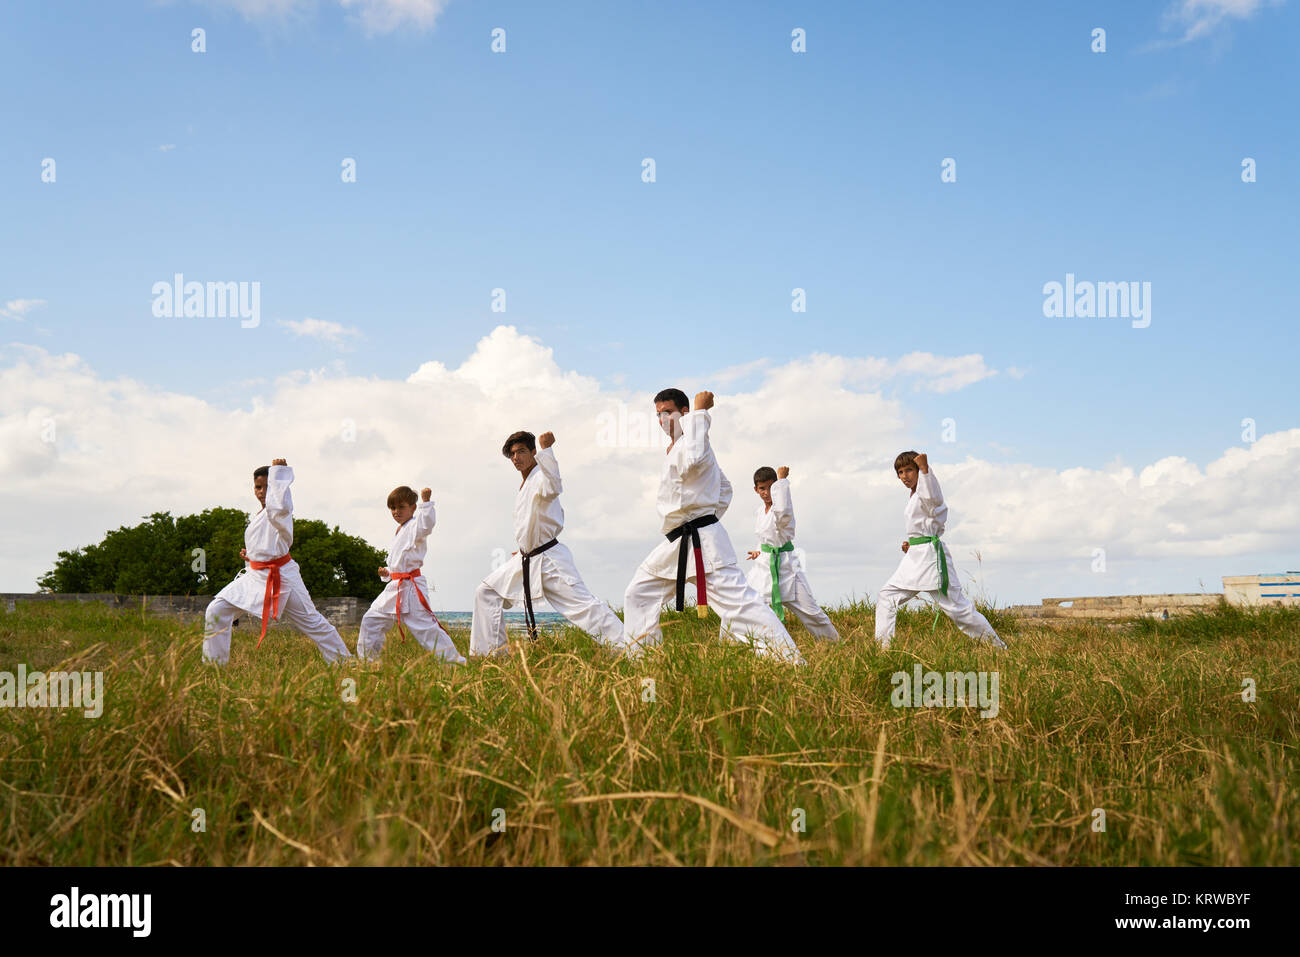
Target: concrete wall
[
  {"x": 1120, "y": 606},
  {"x": 1247, "y": 590},
  {"x": 341, "y": 612},
  {"x": 1280, "y": 589}
]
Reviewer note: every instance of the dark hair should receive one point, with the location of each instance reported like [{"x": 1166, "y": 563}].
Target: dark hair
[
  {"x": 262, "y": 472},
  {"x": 676, "y": 396},
  {"x": 905, "y": 459},
  {"x": 764, "y": 474},
  {"x": 529, "y": 440},
  {"x": 402, "y": 495}
]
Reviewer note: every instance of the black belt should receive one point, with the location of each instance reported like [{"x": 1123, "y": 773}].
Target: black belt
[
  {"x": 528, "y": 591},
  {"x": 689, "y": 532}
]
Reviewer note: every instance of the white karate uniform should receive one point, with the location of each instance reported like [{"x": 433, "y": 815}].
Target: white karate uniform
[
  {"x": 775, "y": 527},
  {"x": 267, "y": 537},
  {"x": 691, "y": 485},
  {"x": 406, "y": 554},
  {"x": 552, "y": 575},
  {"x": 925, "y": 515}
]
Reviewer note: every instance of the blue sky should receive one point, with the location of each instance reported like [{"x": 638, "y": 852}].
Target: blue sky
[{"x": 774, "y": 170}]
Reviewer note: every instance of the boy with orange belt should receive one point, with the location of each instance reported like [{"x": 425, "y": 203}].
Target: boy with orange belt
[
  {"x": 406, "y": 599},
  {"x": 270, "y": 586}
]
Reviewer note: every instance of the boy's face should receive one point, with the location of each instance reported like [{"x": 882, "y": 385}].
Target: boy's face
[
  {"x": 259, "y": 489},
  {"x": 521, "y": 458},
  {"x": 764, "y": 490},
  {"x": 907, "y": 475},
  {"x": 402, "y": 512}
]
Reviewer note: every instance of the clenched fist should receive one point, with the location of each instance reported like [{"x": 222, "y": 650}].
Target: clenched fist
[{"x": 703, "y": 400}]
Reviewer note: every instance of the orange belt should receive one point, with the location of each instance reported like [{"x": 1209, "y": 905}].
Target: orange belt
[
  {"x": 271, "y": 602},
  {"x": 410, "y": 576}
]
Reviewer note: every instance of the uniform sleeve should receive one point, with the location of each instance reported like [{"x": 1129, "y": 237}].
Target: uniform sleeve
[
  {"x": 279, "y": 504},
  {"x": 724, "y": 494},
  {"x": 550, "y": 486},
  {"x": 695, "y": 434},
  {"x": 425, "y": 518},
  {"x": 927, "y": 487},
  {"x": 782, "y": 506}
]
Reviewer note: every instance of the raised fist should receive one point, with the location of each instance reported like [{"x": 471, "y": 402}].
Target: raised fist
[
  {"x": 783, "y": 472},
  {"x": 546, "y": 439},
  {"x": 703, "y": 400},
  {"x": 425, "y": 494}
]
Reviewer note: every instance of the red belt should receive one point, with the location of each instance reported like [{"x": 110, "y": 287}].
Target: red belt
[
  {"x": 410, "y": 576},
  {"x": 271, "y": 602}
]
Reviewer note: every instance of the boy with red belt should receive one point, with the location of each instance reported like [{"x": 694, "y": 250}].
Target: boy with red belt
[
  {"x": 270, "y": 586},
  {"x": 406, "y": 598}
]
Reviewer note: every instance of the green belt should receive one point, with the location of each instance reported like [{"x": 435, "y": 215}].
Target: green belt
[
  {"x": 775, "y": 561},
  {"x": 943, "y": 569}
]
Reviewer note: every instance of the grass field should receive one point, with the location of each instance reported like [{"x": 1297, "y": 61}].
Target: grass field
[{"x": 559, "y": 746}]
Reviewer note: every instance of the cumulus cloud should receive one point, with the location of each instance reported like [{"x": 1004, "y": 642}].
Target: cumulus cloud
[{"x": 82, "y": 453}]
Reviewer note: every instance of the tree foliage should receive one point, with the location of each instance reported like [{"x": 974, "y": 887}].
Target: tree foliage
[{"x": 199, "y": 555}]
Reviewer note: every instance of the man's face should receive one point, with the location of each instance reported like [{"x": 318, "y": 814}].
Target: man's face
[
  {"x": 764, "y": 490},
  {"x": 521, "y": 458},
  {"x": 402, "y": 512},
  {"x": 907, "y": 475},
  {"x": 664, "y": 411},
  {"x": 259, "y": 489}
]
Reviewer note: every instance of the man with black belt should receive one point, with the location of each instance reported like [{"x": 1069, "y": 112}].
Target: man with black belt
[
  {"x": 544, "y": 568},
  {"x": 693, "y": 496}
]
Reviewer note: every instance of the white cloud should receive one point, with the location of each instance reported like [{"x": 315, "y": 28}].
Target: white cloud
[
  {"x": 18, "y": 308},
  {"x": 166, "y": 147},
  {"x": 322, "y": 330},
  {"x": 385, "y": 16},
  {"x": 122, "y": 450},
  {"x": 1199, "y": 18},
  {"x": 374, "y": 16}
]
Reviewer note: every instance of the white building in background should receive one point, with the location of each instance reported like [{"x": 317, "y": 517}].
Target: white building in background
[{"x": 1282, "y": 588}]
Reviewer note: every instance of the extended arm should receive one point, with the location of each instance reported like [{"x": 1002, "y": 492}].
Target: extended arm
[
  {"x": 782, "y": 505},
  {"x": 426, "y": 517},
  {"x": 695, "y": 439},
  {"x": 927, "y": 488},
  {"x": 279, "y": 503},
  {"x": 550, "y": 486}
]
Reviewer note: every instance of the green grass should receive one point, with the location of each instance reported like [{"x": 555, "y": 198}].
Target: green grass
[{"x": 1145, "y": 721}]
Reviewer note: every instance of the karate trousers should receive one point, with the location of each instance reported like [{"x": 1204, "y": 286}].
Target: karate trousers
[
  {"x": 746, "y": 616},
  {"x": 419, "y": 624},
  {"x": 796, "y": 597},
  {"x": 296, "y": 610},
  {"x": 572, "y": 599},
  {"x": 955, "y": 605}
]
